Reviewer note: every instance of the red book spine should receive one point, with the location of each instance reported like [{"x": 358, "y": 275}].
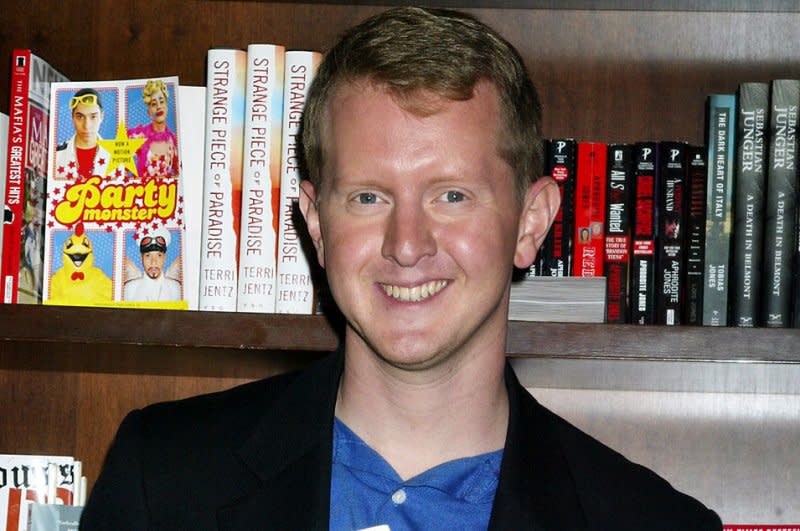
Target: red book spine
[
  {"x": 15, "y": 173},
  {"x": 590, "y": 199}
]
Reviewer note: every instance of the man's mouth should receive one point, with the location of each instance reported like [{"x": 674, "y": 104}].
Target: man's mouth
[{"x": 415, "y": 293}]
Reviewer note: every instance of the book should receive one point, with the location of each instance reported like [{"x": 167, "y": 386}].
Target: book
[
  {"x": 115, "y": 232},
  {"x": 261, "y": 178},
  {"x": 619, "y": 220},
  {"x": 52, "y": 517},
  {"x": 590, "y": 197},
  {"x": 222, "y": 178},
  {"x": 3, "y": 160},
  {"x": 643, "y": 246},
  {"x": 192, "y": 120},
  {"x": 296, "y": 289},
  {"x": 721, "y": 122},
  {"x": 670, "y": 213},
  {"x": 27, "y": 479},
  {"x": 556, "y": 252},
  {"x": 26, "y": 172},
  {"x": 558, "y": 299},
  {"x": 780, "y": 203},
  {"x": 748, "y": 217},
  {"x": 697, "y": 176}
]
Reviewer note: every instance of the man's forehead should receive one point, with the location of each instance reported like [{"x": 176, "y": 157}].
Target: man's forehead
[{"x": 82, "y": 108}]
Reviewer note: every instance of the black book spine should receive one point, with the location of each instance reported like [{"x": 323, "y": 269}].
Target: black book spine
[
  {"x": 644, "y": 234},
  {"x": 719, "y": 207},
  {"x": 695, "y": 233},
  {"x": 618, "y": 232},
  {"x": 748, "y": 214},
  {"x": 669, "y": 247},
  {"x": 780, "y": 216},
  {"x": 560, "y": 164}
]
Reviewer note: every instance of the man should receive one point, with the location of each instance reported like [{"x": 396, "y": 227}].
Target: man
[
  {"x": 422, "y": 140},
  {"x": 81, "y": 157},
  {"x": 153, "y": 285}
]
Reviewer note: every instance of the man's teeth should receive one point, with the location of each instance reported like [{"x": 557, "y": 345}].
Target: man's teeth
[{"x": 415, "y": 294}]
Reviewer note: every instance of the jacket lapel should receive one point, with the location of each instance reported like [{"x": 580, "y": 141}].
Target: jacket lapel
[
  {"x": 536, "y": 490},
  {"x": 290, "y": 451}
]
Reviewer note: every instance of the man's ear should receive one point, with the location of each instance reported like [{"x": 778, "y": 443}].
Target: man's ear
[
  {"x": 308, "y": 207},
  {"x": 538, "y": 212}
]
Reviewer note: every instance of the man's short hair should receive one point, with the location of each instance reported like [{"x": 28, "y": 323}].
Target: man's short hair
[{"x": 410, "y": 50}]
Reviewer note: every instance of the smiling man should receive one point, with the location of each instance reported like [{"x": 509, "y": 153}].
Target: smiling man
[{"x": 422, "y": 138}]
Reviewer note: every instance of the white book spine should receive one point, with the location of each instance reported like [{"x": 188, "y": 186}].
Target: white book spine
[
  {"x": 261, "y": 178},
  {"x": 192, "y": 119},
  {"x": 295, "y": 287},
  {"x": 222, "y": 183}
]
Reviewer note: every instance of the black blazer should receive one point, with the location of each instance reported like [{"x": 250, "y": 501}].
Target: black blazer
[{"x": 258, "y": 456}]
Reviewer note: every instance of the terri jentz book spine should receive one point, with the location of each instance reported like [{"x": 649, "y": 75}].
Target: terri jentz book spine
[
  {"x": 697, "y": 175},
  {"x": 719, "y": 207},
  {"x": 748, "y": 218},
  {"x": 296, "y": 290},
  {"x": 643, "y": 247},
  {"x": 590, "y": 198},
  {"x": 780, "y": 218},
  {"x": 560, "y": 162},
  {"x": 222, "y": 186},
  {"x": 618, "y": 232},
  {"x": 670, "y": 214},
  {"x": 261, "y": 178}
]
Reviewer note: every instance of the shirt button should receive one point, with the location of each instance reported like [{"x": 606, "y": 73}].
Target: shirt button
[{"x": 399, "y": 497}]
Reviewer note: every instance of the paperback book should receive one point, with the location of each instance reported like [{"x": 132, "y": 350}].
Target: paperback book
[
  {"x": 618, "y": 232},
  {"x": 590, "y": 198},
  {"x": 556, "y": 253},
  {"x": 26, "y": 173},
  {"x": 115, "y": 232},
  {"x": 643, "y": 247},
  {"x": 697, "y": 175},
  {"x": 28, "y": 479}
]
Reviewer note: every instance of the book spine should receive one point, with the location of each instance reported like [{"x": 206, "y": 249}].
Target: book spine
[
  {"x": 748, "y": 228},
  {"x": 261, "y": 178},
  {"x": 697, "y": 173},
  {"x": 222, "y": 179},
  {"x": 296, "y": 292},
  {"x": 17, "y": 156},
  {"x": 780, "y": 210},
  {"x": 3, "y": 162},
  {"x": 671, "y": 217},
  {"x": 618, "y": 232},
  {"x": 643, "y": 247},
  {"x": 560, "y": 162},
  {"x": 590, "y": 197},
  {"x": 719, "y": 208}
]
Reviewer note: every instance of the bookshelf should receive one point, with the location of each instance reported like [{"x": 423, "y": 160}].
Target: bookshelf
[{"x": 68, "y": 375}]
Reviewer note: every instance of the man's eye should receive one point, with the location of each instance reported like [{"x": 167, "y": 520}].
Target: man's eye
[
  {"x": 453, "y": 197},
  {"x": 367, "y": 198}
]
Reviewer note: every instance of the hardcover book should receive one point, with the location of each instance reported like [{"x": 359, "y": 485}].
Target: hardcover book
[
  {"x": 748, "y": 218},
  {"x": 781, "y": 200},
  {"x": 719, "y": 207},
  {"x": 556, "y": 253},
  {"x": 671, "y": 217},
  {"x": 261, "y": 179},
  {"x": 115, "y": 229},
  {"x": 222, "y": 184},
  {"x": 296, "y": 290},
  {"x": 3, "y": 160},
  {"x": 618, "y": 232},
  {"x": 697, "y": 175},
  {"x": 24, "y": 212},
  {"x": 590, "y": 198},
  {"x": 643, "y": 247},
  {"x": 26, "y": 479}
]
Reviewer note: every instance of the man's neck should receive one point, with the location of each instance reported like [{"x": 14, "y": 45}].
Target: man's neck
[{"x": 419, "y": 420}]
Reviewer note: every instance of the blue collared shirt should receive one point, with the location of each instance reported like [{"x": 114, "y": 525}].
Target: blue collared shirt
[{"x": 367, "y": 492}]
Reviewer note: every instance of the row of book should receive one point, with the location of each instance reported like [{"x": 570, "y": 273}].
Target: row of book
[
  {"x": 687, "y": 234},
  {"x": 40, "y": 492},
  {"x": 147, "y": 193}
]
